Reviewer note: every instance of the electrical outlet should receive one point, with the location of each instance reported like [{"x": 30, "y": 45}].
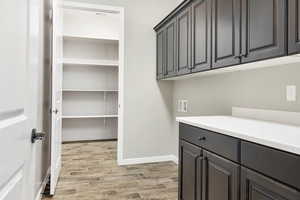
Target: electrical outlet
[
  {"x": 184, "y": 106},
  {"x": 179, "y": 106},
  {"x": 291, "y": 92}
]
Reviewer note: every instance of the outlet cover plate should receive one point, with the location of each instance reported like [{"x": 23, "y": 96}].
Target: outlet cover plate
[
  {"x": 185, "y": 106},
  {"x": 291, "y": 93}
]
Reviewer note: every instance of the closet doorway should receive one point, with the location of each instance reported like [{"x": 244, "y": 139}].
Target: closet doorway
[{"x": 87, "y": 77}]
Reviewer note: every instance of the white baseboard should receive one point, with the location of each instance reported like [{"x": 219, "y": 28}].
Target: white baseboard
[
  {"x": 175, "y": 159},
  {"x": 153, "y": 159}
]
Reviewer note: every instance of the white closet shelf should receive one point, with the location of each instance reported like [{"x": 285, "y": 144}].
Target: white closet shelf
[
  {"x": 86, "y": 90},
  {"x": 88, "y": 37},
  {"x": 88, "y": 116},
  {"x": 74, "y": 61}
]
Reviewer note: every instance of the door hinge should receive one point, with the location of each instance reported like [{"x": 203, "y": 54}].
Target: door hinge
[
  {"x": 55, "y": 111},
  {"x": 50, "y": 15}
]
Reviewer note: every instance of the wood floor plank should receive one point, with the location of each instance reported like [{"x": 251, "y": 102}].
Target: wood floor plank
[{"x": 90, "y": 172}]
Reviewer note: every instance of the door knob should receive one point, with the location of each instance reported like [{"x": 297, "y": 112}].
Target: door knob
[
  {"x": 55, "y": 111},
  {"x": 37, "y": 135}
]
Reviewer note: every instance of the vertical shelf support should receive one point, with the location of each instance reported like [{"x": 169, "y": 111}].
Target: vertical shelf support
[{"x": 105, "y": 109}]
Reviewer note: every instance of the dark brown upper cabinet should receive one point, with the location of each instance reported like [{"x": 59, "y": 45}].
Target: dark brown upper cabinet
[
  {"x": 256, "y": 186},
  {"x": 225, "y": 32},
  {"x": 170, "y": 56},
  {"x": 294, "y": 26},
  {"x": 264, "y": 30},
  {"x": 201, "y": 35},
  {"x": 221, "y": 178},
  {"x": 190, "y": 171},
  {"x": 184, "y": 41},
  {"x": 160, "y": 54}
]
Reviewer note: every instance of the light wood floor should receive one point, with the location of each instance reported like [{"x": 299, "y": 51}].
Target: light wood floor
[{"x": 90, "y": 172}]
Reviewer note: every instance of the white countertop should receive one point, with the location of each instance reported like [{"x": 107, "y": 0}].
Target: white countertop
[{"x": 279, "y": 136}]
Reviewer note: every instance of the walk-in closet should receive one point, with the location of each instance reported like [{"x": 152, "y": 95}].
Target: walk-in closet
[{"x": 90, "y": 75}]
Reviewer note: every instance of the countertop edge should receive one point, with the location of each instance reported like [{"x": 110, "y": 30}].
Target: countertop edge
[{"x": 280, "y": 146}]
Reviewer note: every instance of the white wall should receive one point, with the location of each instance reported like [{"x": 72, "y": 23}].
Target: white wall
[
  {"x": 150, "y": 107},
  {"x": 216, "y": 95},
  {"x": 148, "y": 113},
  {"x": 179, "y": 1}
]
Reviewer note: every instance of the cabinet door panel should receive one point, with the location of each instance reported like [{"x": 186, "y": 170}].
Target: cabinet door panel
[
  {"x": 170, "y": 49},
  {"x": 225, "y": 32},
  {"x": 201, "y": 35},
  {"x": 259, "y": 187},
  {"x": 160, "y": 55},
  {"x": 184, "y": 41},
  {"x": 294, "y": 26},
  {"x": 264, "y": 32},
  {"x": 220, "y": 178},
  {"x": 190, "y": 171},
  {"x": 268, "y": 161}
]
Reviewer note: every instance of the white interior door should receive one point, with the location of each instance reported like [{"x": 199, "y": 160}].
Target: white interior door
[
  {"x": 15, "y": 101},
  {"x": 57, "y": 68}
]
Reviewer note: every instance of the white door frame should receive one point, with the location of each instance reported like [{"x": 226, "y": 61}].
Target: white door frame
[
  {"x": 56, "y": 98},
  {"x": 120, "y": 11}
]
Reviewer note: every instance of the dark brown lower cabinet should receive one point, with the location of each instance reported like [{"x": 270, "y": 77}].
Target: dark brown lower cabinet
[
  {"x": 190, "y": 171},
  {"x": 206, "y": 176},
  {"x": 208, "y": 172},
  {"x": 220, "y": 178},
  {"x": 258, "y": 187}
]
